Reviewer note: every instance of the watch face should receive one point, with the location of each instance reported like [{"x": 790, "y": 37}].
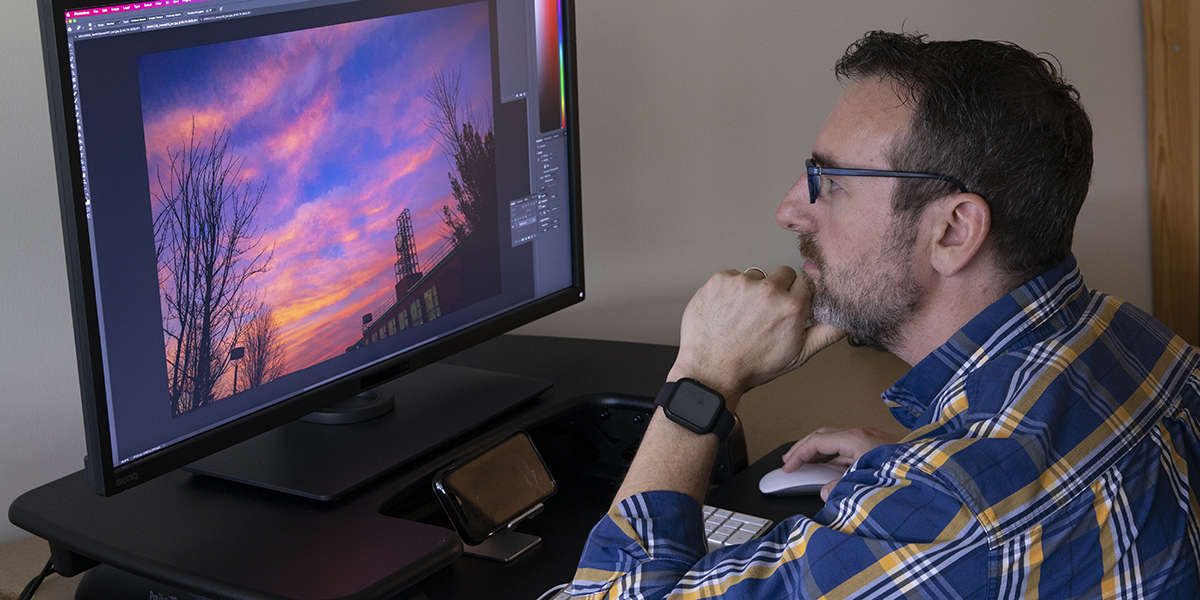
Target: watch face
[{"x": 696, "y": 405}]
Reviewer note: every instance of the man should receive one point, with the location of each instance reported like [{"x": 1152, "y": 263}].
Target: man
[{"x": 1056, "y": 430}]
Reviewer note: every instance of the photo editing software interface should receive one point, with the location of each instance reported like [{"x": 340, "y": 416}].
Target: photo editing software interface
[{"x": 279, "y": 194}]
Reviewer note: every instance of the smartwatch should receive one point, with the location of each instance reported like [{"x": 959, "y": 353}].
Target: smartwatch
[{"x": 695, "y": 406}]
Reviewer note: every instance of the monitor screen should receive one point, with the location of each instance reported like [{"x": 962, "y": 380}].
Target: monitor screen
[{"x": 271, "y": 205}]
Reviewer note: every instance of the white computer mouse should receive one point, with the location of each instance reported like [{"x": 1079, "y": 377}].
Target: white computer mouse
[{"x": 808, "y": 479}]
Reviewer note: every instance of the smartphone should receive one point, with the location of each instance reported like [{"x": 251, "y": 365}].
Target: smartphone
[{"x": 484, "y": 492}]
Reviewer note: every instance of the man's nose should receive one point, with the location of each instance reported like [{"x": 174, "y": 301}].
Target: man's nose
[{"x": 795, "y": 212}]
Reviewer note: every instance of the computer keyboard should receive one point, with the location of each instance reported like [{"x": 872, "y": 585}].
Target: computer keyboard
[
  {"x": 721, "y": 528},
  {"x": 725, "y": 527}
]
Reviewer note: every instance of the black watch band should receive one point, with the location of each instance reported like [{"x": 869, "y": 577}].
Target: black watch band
[{"x": 696, "y": 407}]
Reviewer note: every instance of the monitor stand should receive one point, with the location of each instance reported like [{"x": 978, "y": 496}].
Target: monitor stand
[
  {"x": 355, "y": 409},
  {"x": 433, "y": 406}
]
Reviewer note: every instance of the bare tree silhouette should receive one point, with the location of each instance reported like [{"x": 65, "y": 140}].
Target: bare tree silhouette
[
  {"x": 265, "y": 358},
  {"x": 208, "y": 248},
  {"x": 471, "y": 145}
]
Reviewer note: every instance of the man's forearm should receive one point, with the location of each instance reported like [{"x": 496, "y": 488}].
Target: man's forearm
[{"x": 671, "y": 458}]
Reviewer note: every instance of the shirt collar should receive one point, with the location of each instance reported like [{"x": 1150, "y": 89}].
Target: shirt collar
[{"x": 998, "y": 329}]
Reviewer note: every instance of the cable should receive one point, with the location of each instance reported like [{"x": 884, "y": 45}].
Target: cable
[
  {"x": 29, "y": 590},
  {"x": 550, "y": 592}
]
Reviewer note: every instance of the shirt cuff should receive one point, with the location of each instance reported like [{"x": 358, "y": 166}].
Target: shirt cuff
[{"x": 652, "y": 537}]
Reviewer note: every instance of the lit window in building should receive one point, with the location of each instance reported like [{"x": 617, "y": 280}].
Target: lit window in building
[
  {"x": 414, "y": 313},
  {"x": 433, "y": 308},
  {"x": 392, "y": 327},
  {"x": 403, "y": 316}
]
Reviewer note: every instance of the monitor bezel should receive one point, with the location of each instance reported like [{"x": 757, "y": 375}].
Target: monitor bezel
[{"x": 107, "y": 478}]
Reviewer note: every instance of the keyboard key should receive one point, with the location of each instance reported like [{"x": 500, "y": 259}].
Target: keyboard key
[
  {"x": 739, "y": 537},
  {"x": 724, "y": 527},
  {"x": 752, "y": 521}
]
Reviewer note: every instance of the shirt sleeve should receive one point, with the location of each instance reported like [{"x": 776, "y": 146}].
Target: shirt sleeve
[{"x": 875, "y": 539}]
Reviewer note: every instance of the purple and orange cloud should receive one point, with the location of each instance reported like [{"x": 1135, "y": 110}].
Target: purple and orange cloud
[{"x": 332, "y": 120}]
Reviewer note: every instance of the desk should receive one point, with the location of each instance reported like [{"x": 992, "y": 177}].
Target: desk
[{"x": 602, "y": 391}]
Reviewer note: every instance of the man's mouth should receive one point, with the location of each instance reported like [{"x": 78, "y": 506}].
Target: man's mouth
[{"x": 812, "y": 255}]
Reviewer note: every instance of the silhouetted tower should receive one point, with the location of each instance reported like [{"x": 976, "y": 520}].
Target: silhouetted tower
[
  {"x": 407, "y": 274},
  {"x": 406, "y": 249}
]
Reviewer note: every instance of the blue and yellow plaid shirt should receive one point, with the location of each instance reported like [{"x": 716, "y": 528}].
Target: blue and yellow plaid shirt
[{"x": 1054, "y": 454}]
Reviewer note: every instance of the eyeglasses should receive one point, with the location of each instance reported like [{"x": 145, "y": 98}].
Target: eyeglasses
[{"x": 815, "y": 173}]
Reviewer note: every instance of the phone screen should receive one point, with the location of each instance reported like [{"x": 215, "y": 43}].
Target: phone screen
[{"x": 486, "y": 492}]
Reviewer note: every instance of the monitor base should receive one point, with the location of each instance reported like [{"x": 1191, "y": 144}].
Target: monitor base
[
  {"x": 355, "y": 409},
  {"x": 325, "y": 463}
]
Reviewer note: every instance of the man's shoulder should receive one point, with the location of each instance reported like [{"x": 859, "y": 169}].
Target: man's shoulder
[
  {"x": 1033, "y": 426},
  {"x": 1098, "y": 342},
  {"x": 1104, "y": 365}
]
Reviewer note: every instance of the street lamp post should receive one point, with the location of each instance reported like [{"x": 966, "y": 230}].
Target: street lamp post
[{"x": 236, "y": 355}]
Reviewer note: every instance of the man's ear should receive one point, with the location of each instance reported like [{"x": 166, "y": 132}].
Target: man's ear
[{"x": 961, "y": 224}]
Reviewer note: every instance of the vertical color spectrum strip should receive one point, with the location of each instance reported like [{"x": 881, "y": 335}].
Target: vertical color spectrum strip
[
  {"x": 562, "y": 84},
  {"x": 551, "y": 97}
]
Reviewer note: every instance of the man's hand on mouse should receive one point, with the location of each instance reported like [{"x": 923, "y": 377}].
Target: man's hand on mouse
[
  {"x": 844, "y": 445},
  {"x": 742, "y": 329}
]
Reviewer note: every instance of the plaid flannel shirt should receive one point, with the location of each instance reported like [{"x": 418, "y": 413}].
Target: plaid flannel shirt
[{"x": 1053, "y": 455}]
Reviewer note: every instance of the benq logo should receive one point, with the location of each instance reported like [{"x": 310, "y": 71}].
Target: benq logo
[
  {"x": 127, "y": 479},
  {"x": 155, "y": 596}
]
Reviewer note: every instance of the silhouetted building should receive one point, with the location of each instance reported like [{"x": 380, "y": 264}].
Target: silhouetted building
[{"x": 450, "y": 279}]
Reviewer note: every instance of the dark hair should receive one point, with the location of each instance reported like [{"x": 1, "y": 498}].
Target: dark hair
[{"x": 1000, "y": 119}]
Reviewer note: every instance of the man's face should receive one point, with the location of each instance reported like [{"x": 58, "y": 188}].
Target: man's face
[{"x": 859, "y": 255}]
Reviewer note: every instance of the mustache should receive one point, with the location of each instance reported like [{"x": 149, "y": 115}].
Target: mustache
[{"x": 810, "y": 250}]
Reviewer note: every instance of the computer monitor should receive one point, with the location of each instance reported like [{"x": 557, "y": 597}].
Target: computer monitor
[{"x": 273, "y": 205}]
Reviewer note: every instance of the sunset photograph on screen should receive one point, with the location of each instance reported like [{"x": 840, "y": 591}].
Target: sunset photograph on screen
[{"x": 317, "y": 191}]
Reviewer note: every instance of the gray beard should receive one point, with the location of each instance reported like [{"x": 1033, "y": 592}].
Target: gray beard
[
  {"x": 876, "y": 308},
  {"x": 875, "y": 320}
]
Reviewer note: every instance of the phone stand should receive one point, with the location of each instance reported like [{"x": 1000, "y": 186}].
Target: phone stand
[{"x": 506, "y": 544}]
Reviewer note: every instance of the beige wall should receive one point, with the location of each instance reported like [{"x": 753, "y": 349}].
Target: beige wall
[{"x": 696, "y": 116}]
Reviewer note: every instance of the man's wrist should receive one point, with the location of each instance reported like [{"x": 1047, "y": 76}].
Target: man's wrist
[
  {"x": 696, "y": 407},
  {"x": 728, "y": 390}
]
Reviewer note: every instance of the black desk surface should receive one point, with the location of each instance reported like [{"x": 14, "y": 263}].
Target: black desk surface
[{"x": 183, "y": 529}]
